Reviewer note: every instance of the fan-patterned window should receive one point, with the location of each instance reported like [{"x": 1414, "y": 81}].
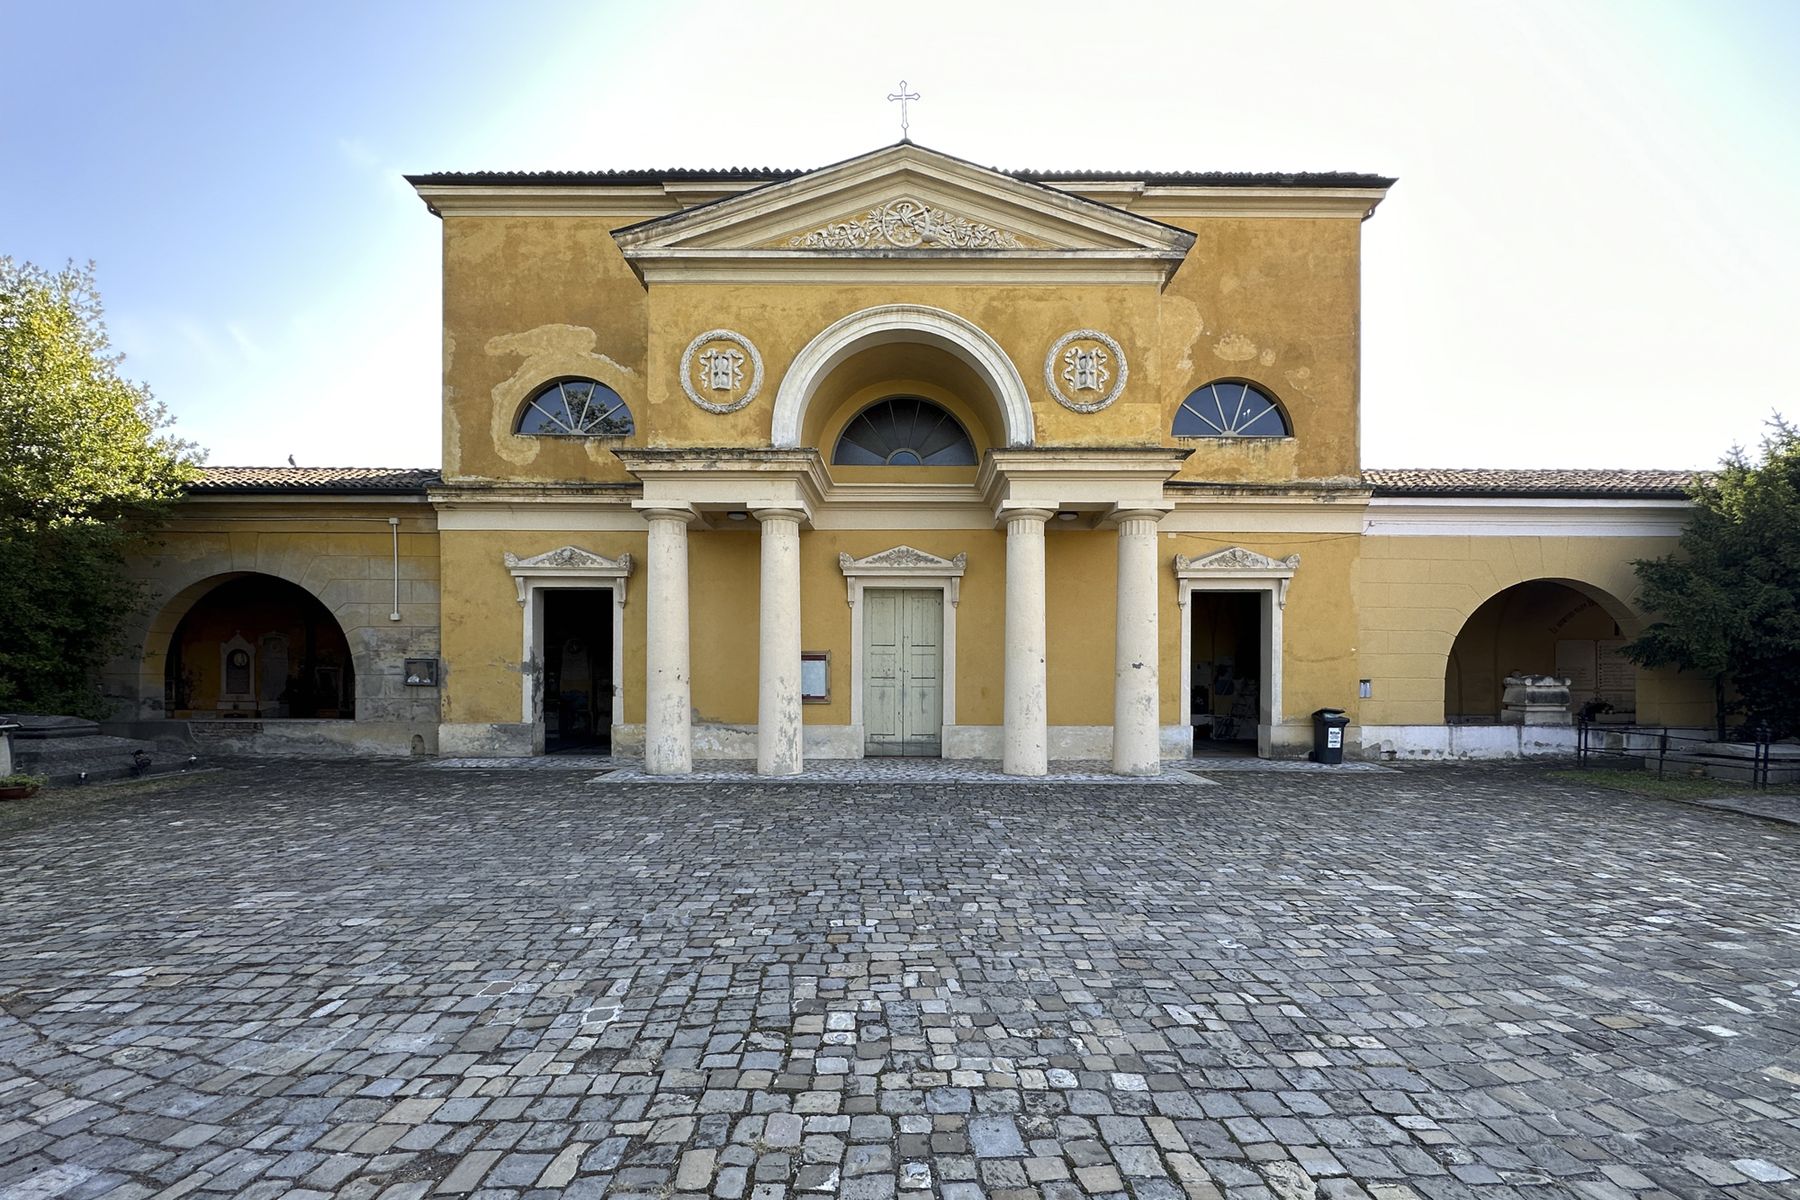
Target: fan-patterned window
[
  {"x": 904, "y": 432},
  {"x": 1230, "y": 408},
  {"x": 575, "y": 408}
]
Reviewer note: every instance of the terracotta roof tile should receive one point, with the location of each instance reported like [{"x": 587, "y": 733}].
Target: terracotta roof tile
[
  {"x": 1490, "y": 481},
  {"x": 287, "y": 480}
]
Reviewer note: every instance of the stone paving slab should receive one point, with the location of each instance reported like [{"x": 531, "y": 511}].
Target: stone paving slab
[
  {"x": 1210, "y": 764},
  {"x": 537, "y": 762},
  {"x": 1770, "y": 806},
  {"x": 379, "y": 981},
  {"x": 948, "y": 771}
]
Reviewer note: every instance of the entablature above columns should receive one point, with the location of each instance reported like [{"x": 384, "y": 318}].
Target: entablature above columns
[
  {"x": 729, "y": 479},
  {"x": 1096, "y": 481}
]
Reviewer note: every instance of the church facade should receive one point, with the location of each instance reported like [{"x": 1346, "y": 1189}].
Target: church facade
[{"x": 899, "y": 456}]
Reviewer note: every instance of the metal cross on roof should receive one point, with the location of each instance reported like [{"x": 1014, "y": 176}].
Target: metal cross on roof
[{"x": 903, "y": 96}]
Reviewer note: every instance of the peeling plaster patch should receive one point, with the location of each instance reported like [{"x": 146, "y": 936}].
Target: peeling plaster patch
[
  {"x": 1301, "y": 378},
  {"x": 452, "y": 428},
  {"x": 1235, "y": 347},
  {"x": 549, "y": 351},
  {"x": 545, "y": 339},
  {"x": 1185, "y": 324},
  {"x": 1266, "y": 358}
]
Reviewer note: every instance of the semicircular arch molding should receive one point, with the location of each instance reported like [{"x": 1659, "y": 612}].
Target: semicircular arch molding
[
  {"x": 1519, "y": 626},
  {"x": 176, "y": 598},
  {"x": 1627, "y": 618},
  {"x": 890, "y": 323}
]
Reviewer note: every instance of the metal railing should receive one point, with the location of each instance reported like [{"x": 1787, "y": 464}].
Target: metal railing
[{"x": 1659, "y": 742}]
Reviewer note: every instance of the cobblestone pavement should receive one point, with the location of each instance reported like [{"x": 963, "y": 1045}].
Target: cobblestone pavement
[{"x": 312, "y": 980}]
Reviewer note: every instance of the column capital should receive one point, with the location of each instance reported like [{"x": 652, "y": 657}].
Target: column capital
[
  {"x": 1009, "y": 514},
  {"x": 1119, "y": 513},
  {"x": 766, "y": 515},
  {"x": 665, "y": 512}
]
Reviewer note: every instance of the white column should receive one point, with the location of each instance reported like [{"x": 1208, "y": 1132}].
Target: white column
[
  {"x": 778, "y": 720},
  {"x": 1137, "y": 718},
  {"x": 1026, "y": 746},
  {"x": 668, "y": 706}
]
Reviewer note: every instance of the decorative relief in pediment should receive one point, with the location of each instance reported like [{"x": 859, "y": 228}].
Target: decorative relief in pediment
[
  {"x": 1234, "y": 558},
  {"x": 565, "y": 565},
  {"x": 1242, "y": 565},
  {"x": 569, "y": 556},
  {"x": 902, "y": 557},
  {"x": 905, "y": 563},
  {"x": 907, "y": 223}
]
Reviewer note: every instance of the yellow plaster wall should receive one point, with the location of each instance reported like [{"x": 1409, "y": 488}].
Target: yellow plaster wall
[
  {"x": 1415, "y": 594},
  {"x": 484, "y": 631},
  {"x": 1276, "y": 303},
  {"x": 528, "y": 299},
  {"x": 782, "y": 319},
  {"x": 1080, "y": 623},
  {"x": 341, "y": 554},
  {"x": 980, "y": 618},
  {"x": 724, "y": 600},
  {"x": 1318, "y": 624}
]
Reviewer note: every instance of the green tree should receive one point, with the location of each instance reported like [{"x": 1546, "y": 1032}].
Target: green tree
[
  {"x": 86, "y": 471},
  {"x": 1726, "y": 602}
]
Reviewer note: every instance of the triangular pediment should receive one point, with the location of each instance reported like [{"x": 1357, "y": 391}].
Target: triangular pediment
[
  {"x": 904, "y": 208},
  {"x": 902, "y": 558},
  {"x": 1235, "y": 558}
]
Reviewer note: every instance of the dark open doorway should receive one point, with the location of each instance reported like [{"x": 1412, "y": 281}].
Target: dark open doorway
[
  {"x": 1226, "y": 683},
  {"x": 578, "y": 670}
]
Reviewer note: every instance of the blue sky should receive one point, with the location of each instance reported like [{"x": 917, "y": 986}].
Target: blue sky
[{"x": 1591, "y": 258}]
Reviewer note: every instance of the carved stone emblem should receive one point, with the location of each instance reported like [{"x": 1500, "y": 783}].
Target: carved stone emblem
[
  {"x": 1079, "y": 367},
  {"x": 714, "y": 361},
  {"x": 907, "y": 224},
  {"x": 723, "y": 369}
]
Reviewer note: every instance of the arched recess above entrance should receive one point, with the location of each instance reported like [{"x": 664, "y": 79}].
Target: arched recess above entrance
[
  {"x": 895, "y": 343},
  {"x": 1541, "y": 626},
  {"x": 165, "y": 618},
  {"x": 840, "y": 402}
]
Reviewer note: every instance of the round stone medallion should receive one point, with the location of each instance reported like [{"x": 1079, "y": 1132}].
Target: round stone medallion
[
  {"x": 721, "y": 371},
  {"x": 1085, "y": 370}
]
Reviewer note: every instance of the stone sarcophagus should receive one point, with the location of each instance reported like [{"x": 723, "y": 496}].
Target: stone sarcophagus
[{"x": 1535, "y": 700}]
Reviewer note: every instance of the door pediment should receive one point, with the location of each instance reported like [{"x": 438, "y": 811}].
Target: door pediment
[{"x": 909, "y": 213}]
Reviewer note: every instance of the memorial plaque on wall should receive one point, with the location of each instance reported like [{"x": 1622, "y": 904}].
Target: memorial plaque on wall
[
  {"x": 1617, "y": 675},
  {"x": 1575, "y": 662}
]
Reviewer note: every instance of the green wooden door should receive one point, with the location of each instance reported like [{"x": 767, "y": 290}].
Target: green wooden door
[{"x": 903, "y": 687}]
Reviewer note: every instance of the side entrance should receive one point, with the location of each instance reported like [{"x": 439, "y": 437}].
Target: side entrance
[
  {"x": 578, "y": 670},
  {"x": 903, "y": 672}
]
